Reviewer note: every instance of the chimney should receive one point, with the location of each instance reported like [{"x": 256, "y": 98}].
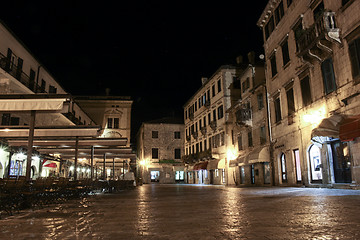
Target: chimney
[
  {"x": 251, "y": 57},
  {"x": 204, "y": 80},
  {"x": 239, "y": 60},
  {"x": 107, "y": 91}
]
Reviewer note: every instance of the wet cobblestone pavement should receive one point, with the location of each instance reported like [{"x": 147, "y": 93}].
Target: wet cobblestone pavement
[{"x": 195, "y": 212}]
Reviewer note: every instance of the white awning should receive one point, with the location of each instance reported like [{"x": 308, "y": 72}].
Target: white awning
[
  {"x": 50, "y": 132},
  {"x": 259, "y": 154},
  {"x": 50, "y": 104}
]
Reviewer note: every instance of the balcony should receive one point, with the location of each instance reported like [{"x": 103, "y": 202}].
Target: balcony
[
  {"x": 203, "y": 130},
  {"x": 207, "y": 104},
  {"x": 243, "y": 116},
  {"x": 15, "y": 71},
  {"x": 213, "y": 125},
  {"x": 72, "y": 118},
  {"x": 188, "y": 138},
  {"x": 191, "y": 116},
  {"x": 195, "y": 135},
  {"x": 315, "y": 43}
]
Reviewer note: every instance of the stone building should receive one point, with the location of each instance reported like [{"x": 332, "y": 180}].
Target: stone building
[
  {"x": 248, "y": 128},
  {"x": 206, "y": 154},
  {"x": 43, "y": 131},
  {"x": 113, "y": 114},
  {"x": 159, "y": 150},
  {"x": 312, "y": 53}
]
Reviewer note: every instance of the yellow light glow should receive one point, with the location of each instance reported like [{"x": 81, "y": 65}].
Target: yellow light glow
[
  {"x": 231, "y": 154},
  {"x": 315, "y": 116},
  {"x": 142, "y": 162}
]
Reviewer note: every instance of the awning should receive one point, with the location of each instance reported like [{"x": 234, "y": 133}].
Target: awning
[
  {"x": 179, "y": 168},
  {"x": 350, "y": 128},
  {"x": 259, "y": 154},
  {"x": 213, "y": 164},
  {"x": 50, "y": 165},
  {"x": 221, "y": 164},
  {"x": 200, "y": 166},
  {"x": 51, "y": 131},
  {"x": 233, "y": 163},
  {"x": 329, "y": 127},
  {"x": 11, "y": 102}
]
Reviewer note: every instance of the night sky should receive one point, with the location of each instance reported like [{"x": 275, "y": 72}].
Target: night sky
[{"x": 154, "y": 51}]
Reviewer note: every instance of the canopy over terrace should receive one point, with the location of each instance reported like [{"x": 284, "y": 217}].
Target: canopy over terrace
[
  {"x": 32, "y": 103},
  {"x": 111, "y": 152}
]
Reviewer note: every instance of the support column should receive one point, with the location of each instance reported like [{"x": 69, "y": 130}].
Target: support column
[
  {"x": 92, "y": 163},
  {"x": 30, "y": 144},
  {"x": 104, "y": 170},
  {"x": 113, "y": 168},
  {"x": 76, "y": 157}
]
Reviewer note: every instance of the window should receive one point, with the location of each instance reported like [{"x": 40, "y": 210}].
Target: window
[
  {"x": 354, "y": 51},
  {"x": 269, "y": 27},
  {"x": 290, "y": 101},
  {"x": 154, "y": 153},
  {"x": 260, "y": 101},
  {"x": 283, "y": 168},
  {"x": 305, "y": 91},
  {"x": 262, "y": 135},
  {"x": 318, "y": 11},
  {"x": 289, "y": 2},
  {"x": 177, "y": 135},
  {"x": 220, "y": 112},
  {"x": 213, "y": 90},
  {"x": 154, "y": 134},
  {"x": 14, "y": 121},
  {"x": 219, "y": 85},
  {"x": 298, "y": 31},
  {"x": 239, "y": 140},
  {"x": 32, "y": 80},
  {"x": 328, "y": 75},
  {"x": 277, "y": 110},
  {"x": 250, "y": 140},
  {"x": 112, "y": 123},
  {"x": 285, "y": 52},
  {"x": 205, "y": 147},
  {"x": 177, "y": 153},
  {"x": 279, "y": 13},
  {"x": 5, "y": 120},
  {"x": 273, "y": 65},
  {"x": 214, "y": 115},
  {"x": 209, "y": 118},
  {"x": 204, "y": 121},
  {"x": 43, "y": 85},
  {"x": 52, "y": 89},
  {"x": 116, "y": 123}
]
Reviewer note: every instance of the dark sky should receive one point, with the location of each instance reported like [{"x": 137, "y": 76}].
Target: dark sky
[{"x": 154, "y": 51}]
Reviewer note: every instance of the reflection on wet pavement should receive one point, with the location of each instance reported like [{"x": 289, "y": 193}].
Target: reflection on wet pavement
[{"x": 195, "y": 212}]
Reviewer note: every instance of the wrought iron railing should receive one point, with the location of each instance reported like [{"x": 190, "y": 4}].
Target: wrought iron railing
[{"x": 17, "y": 73}]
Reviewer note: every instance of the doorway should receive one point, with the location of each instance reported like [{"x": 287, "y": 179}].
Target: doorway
[
  {"x": 342, "y": 163},
  {"x": 315, "y": 164}
]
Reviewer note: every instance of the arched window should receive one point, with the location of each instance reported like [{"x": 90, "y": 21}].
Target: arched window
[
  {"x": 315, "y": 163},
  {"x": 283, "y": 167}
]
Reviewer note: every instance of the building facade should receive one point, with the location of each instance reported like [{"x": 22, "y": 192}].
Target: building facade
[
  {"x": 248, "y": 129},
  {"x": 205, "y": 114},
  {"x": 43, "y": 130},
  {"x": 159, "y": 151},
  {"x": 312, "y": 53}
]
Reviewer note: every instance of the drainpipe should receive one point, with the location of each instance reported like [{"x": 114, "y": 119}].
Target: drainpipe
[
  {"x": 37, "y": 78},
  {"x": 272, "y": 165}
]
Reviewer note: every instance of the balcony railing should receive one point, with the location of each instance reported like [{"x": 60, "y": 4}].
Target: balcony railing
[
  {"x": 324, "y": 28},
  {"x": 213, "y": 125},
  {"x": 203, "y": 130},
  {"x": 17, "y": 73},
  {"x": 188, "y": 138},
  {"x": 195, "y": 135},
  {"x": 243, "y": 115},
  {"x": 191, "y": 116}
]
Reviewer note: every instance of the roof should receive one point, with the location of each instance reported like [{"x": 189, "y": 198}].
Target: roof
[{"x": 167, "y": 120}]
